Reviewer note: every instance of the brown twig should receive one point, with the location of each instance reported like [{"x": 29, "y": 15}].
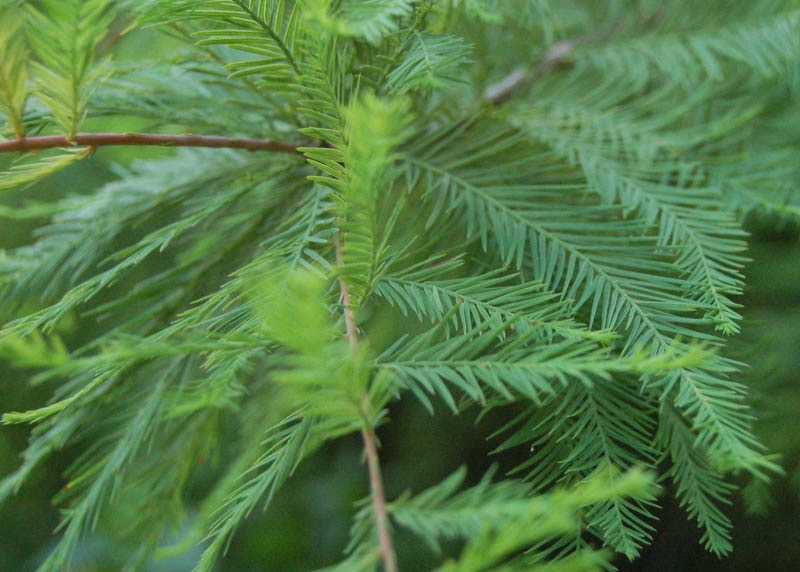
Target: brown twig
[
  {"x": 41, "y": 142},
  {"x": 385, "y": 545},
  {"x": 388, "y": 555},
  {"x": 558, "y": 54}
]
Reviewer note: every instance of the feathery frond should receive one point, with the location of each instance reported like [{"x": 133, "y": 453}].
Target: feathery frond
[
  {"x": 764, "y": 44},
  {"x": 700, "y": 486},
  {"x": 107, "y": 467},
  {"x": 368, "y": 20},
  {"x": 27, "y": 170},
  {"x": 374, "y": 129},
  {"x": 473, "y": 302},
  {"x": 62, "y": 264},
  {"x": 265, "y": 30},
  {"x": 430, "y": 62},
  {"x": 532, "y": 210},
  {"x": 632, "y": 164},
  {"x": 289, "y": 442},
  {"x": 503, "y": 520},
  {"x": 13, "y": 71},
  {"x": 586, "y": 250},
  {"x": 560, "y": 434},
  {"x": 484, "y": 363},
  {"x": 63, "y": 37}
]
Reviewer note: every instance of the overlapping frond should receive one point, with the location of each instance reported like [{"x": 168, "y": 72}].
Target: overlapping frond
[
  {"x": 763, "y": 176},
  {"x": 287, "y": 443},
  {"x": 55, "y": 63},
  {"x": 13, "y": 70},
  {"x": 263, "y": 33},
  {"x": 300, "y": 240},
  {"x": 63, "y": 264},
  {"x": 617, "y": 441},
  {"x": 367, "y": 20},
  {"x": 175, "y": 93},
  {"x": 308, "y": 233},
  {"x": 431, "y": 293},
  {"x": 357, "y": 167},
  {"x": 484, "y": 363},
  {"x": 46, "y": 439},
  {"x": 64, "y": 37},
  {"x": 326, "y": 91},
  {"x": 619, "y": 270},
  {"x": 488, "y": 10},
  {"x": 107, "y": 466},
  {"x": 765, "y": 43},
  {"x": 428, "y": 368},
  {"x": 507, "y": 524},
  {"x": 430, "y": 62},
  {"x": 320, "y": 375},
  {"x": 701, "y": 488},
  {"x": 174, "y": 401},
  {"x": 29, "y": 169},
  {"x": 375, "y": 128},
  {"x": 589, "y": 252},
  {"x": 583, "y": 432},
  {"x": 443, "y": 512},
  {"x": 634, "y": 160}
]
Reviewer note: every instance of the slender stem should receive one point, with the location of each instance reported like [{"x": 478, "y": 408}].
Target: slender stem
[
  {"x": 349, "y": 317},
  {"x": 385, "y": 545},
  {"x": 388, "y": 555},
  {"x": 351, "y": 328},
  {"x": 139, "y": 139}
]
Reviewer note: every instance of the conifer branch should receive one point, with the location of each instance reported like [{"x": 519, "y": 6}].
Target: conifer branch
[
  {"x": 561, "y": 241},
  {"x": 385, "y": 544},
  {"x": 42, "y": 142}
]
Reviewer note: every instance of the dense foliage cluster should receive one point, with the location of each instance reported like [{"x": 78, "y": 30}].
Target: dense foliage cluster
[{"x": 531, "y": 208}]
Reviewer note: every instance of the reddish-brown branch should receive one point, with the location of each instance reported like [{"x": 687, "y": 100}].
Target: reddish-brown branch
[
  {"x": 40, "y": 142},
  {"x": 385, "y": 545},
  {"x": 386, "y": 548}
]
